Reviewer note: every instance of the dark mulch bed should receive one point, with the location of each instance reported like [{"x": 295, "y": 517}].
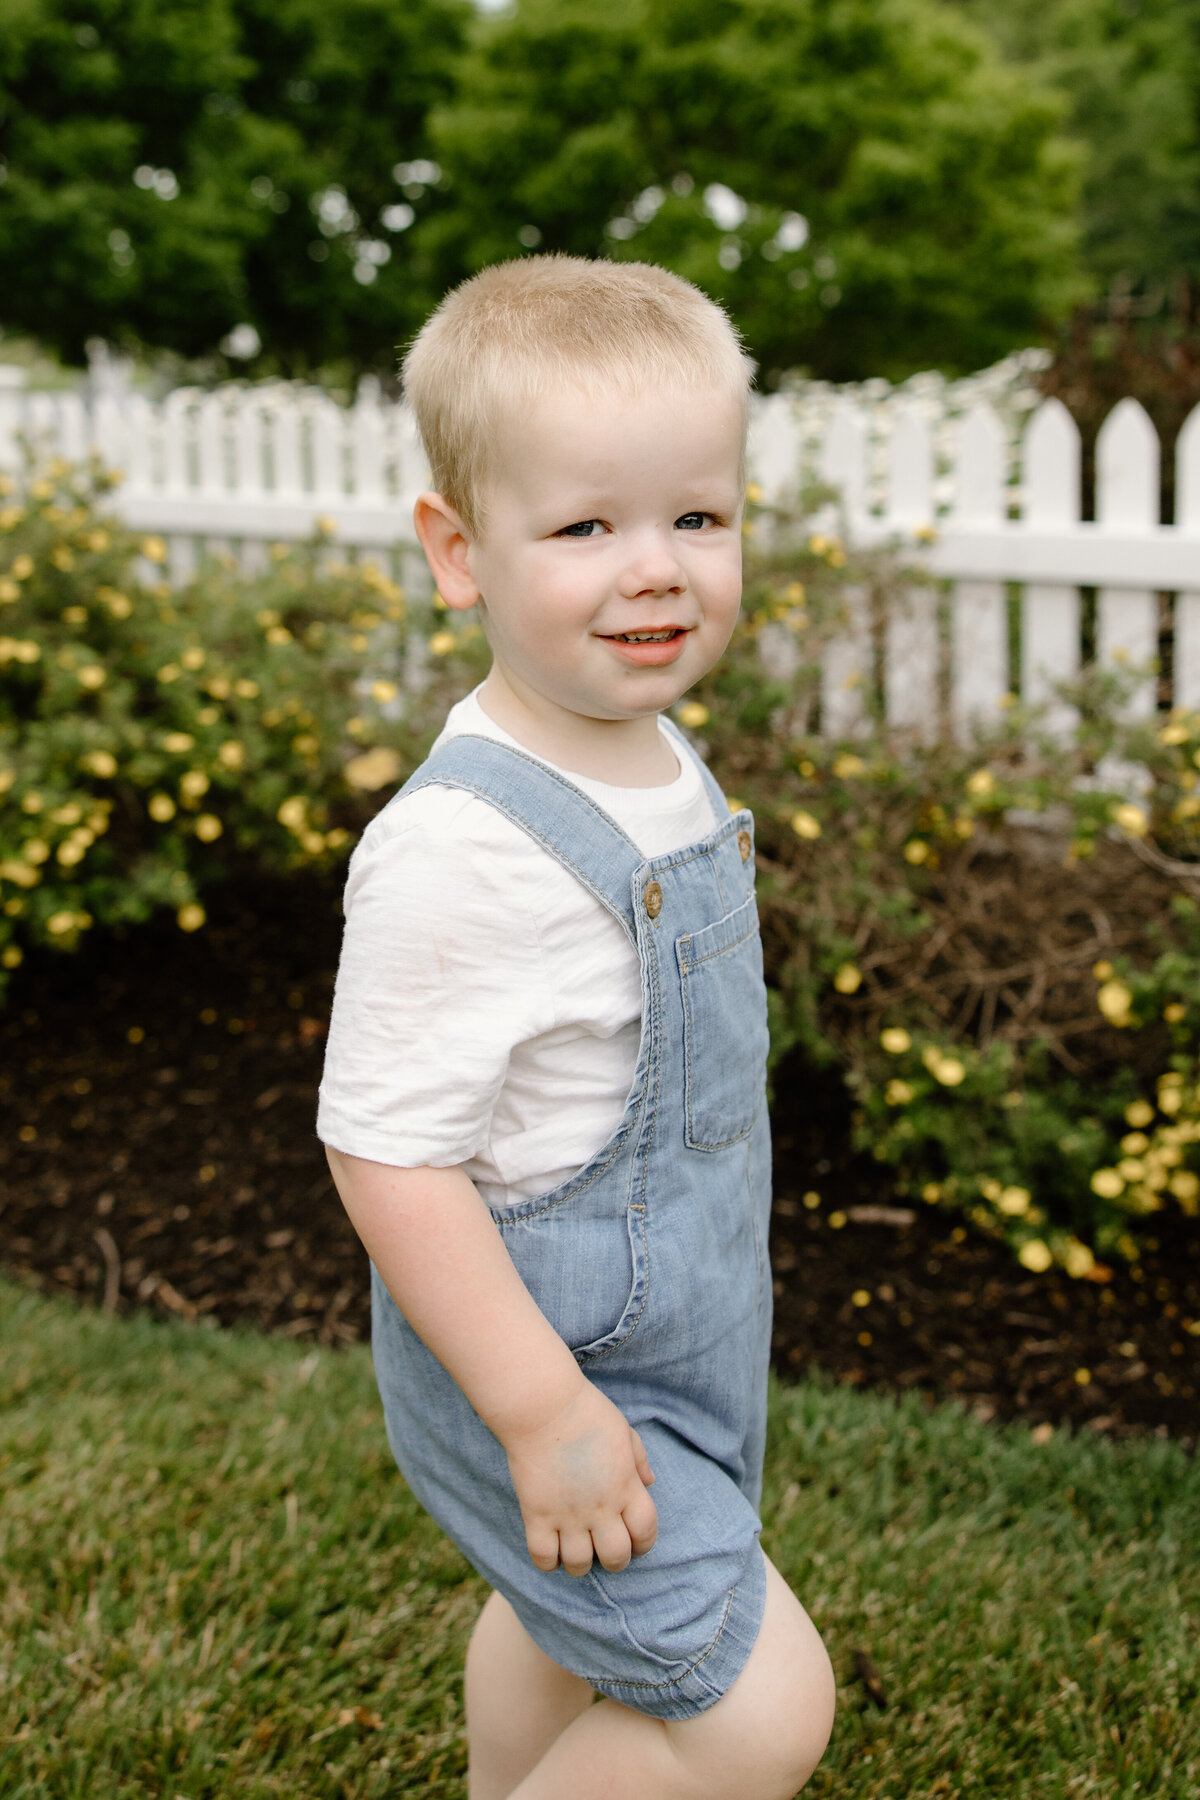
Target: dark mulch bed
[{"x": 157, "y": 1150}]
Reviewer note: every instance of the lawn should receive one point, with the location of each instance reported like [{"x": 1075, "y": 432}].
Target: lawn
[{"x": 214, "y": 1583}]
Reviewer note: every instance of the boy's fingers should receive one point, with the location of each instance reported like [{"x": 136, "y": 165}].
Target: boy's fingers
[
  {"x": 641, "y": 1460},
  {"x": 613, "y": 1548},
  {"x": 575, "y": 1552},
  {"x": 543, "y": 1548},
  {"x": 641, "y": 1522}
]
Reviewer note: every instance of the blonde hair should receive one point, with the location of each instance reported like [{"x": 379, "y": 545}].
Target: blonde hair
[{"x": 520, "y": 330}]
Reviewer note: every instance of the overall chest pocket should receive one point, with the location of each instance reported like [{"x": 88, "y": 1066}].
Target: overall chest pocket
[{"x": 724, "y": 1029}]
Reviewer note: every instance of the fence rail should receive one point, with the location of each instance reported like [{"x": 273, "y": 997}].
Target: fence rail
[{"x": 995, "y": 515}]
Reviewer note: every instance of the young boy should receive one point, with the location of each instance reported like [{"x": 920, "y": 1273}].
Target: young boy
[{"x": 543, "y": 1100}]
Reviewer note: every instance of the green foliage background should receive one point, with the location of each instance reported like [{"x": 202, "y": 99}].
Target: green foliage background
[{"x": 324, "y": 173}]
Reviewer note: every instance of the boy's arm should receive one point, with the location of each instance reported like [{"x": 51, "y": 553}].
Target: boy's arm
[{"x": 579, "y": 1470}]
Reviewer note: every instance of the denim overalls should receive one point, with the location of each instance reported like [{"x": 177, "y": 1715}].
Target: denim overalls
[{"x": 650, "y": 1262}]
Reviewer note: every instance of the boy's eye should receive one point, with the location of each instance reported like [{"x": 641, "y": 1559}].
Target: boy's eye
[
  {"x": 583, "y": 528},
  {"x": 695, "y": 521}
]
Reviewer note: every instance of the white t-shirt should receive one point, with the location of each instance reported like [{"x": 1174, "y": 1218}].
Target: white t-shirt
[{"x": 487, "y": 1009}]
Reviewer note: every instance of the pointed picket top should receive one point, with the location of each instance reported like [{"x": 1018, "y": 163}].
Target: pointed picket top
[
  {"x": 979, "y": 487},
  {"x": 211, "y": 422},
  {"x": 772, "y": 446},
  {"x": 1127, "y": 457},
  {"x": 842, "y": 459},
  {"x": 1187, "y": 476},
  {"x": 283, "y": 416},
  {"x": 176, "y": 429},
  {"x": 1050, "y": 475},
  {"x": 248, "y": 444},
  {"x": 910, "y": 470},
  {"x": 327, "y": 423},
  {"x": 367, "y": 430}
]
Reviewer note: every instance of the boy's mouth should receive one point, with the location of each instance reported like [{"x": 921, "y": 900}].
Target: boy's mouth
[{"x": 648, "y": 648}]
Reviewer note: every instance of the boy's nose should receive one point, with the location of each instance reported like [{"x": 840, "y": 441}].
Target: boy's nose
[{"x": 653, "y": 571}]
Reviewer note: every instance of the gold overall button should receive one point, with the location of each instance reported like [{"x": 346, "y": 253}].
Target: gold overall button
[
  {"x": 653, "y": 899},
  {"x": 744, "y": 845}
]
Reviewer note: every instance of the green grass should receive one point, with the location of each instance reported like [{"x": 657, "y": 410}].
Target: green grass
[{"x": 213, "y": 1583}]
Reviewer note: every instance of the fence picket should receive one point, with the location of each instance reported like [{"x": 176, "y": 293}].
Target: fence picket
[
  {"x": 1050, "y": 612},
  {"x": 910, "y": 471},
  {"x": 842, "y": 460},
  {"x": 979, "y": 611},
  {"x": 1127, "y": 475},
  {"x": 773, "y": 449},
  {"x": 367, "y": 444},
  {"x": 327, "y": 421},
  {"x": 846, "y": 672},
  {"x": 1187, "y": 601}
]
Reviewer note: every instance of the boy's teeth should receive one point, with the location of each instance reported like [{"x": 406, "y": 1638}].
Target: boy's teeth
[{"x": 645, "y": 637}]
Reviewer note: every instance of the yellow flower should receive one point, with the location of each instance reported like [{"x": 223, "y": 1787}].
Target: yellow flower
[
  {"x": 324, "y": 525},
  {"x": 848, "y": 979},
  {"x": 1078, "y": 1259},
  {"x": 193, "y": 783},
  {"x": 161, "y": 807},
  {"x": 293, "y": 812},
  {"x": 244, "y": 689},
  {"x": 71, "y": 852},
  {"x": 847, "y": 766},
  {"x": 190, "y": 917},
  {"x": 231, "y": 754},
  {"x": 7, "y": 778},
  {"x": 100, "y": 762},
  {"x": 950, "y": 1072},
  {"x": 154, "y": 550},
  {"x": 91, "y": 676},
  {"x": 193, "y": 657},
  {"x": 313, "y": 842},
  {"x": 925, "y": 534},
  {"x": 898, "y": 1093},
  {"x": 9, "y": 591},
  {"x": 168, "y": 673},
  {"x": 754, "y": 493},
  {"x": 1102, "y": 970},
  {"x": 1187, "y": 808},
  {"x": 19, "y": 872},
  {"x": 1035, "y": 1256},
  {"x": 1114, "y": 1000},
  {"x": 981, "y": 783},
  {"x": 895, "y": 1040},
  {"x": 1186, "y": 1188},
  {"x": 442, "y": 643},
  {"x": 693, "y": 714},
  {"x": 1135, "y": 1143},
  {"x": 1108, "y": 1184},
  {"x": 35, "y": 851},
  {"x": 1174, "y": 1013},
  {"x": 22, "y": 567},
  {"x": 279, "y": 634},
  {"x": 12, "y": 957},
  {"x": 1014, "y": 1201},
  {"x": 98, "y": 540},
  {"x": 337, "y": 837},
  {"x": 306, "y": 744},
  {"x": 1131, "y": 819},
  {"x": 1174, "y": 733},
  {"x": 805, "y": 826},
  {"x": 63, "y": 557},
  {"x": 26, "y": 651},
  {"x": 10, "y": 517},
  {"x": 794, "y": 593},
  {"x": 373, "y": 769},
  {"x": 32, "y": 803},
  {"x": 735, "y": 806},
  {"x": 916, "y": 851},
  {"x": 383, "y": 691},
  {"x": 861, "y": 1297},
  {"x": 178, "y": 742},
  {"x": 964, "y": 827},
  {"x": 208, "y": 827},
  {"x": 59, "y": 923}
]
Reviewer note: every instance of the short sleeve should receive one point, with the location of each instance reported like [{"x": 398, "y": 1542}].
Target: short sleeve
[{"x": 441, "y": 975}]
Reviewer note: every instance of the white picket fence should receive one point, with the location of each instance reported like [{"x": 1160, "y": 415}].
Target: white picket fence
[{"x": 240, "y": 467}]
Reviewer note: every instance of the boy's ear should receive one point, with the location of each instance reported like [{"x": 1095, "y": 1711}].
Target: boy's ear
[{"x": 447, "y": 546}]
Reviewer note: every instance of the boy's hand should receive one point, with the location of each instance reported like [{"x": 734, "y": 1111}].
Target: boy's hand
[{"x": 581, "y": 1478}]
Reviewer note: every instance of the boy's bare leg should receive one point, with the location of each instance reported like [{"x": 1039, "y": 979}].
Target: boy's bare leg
[
  {"x": 762, "y": 1741},
  {"x": 518, "y": 1701}
]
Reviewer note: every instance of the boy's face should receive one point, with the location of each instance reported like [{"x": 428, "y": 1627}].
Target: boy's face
[{"x": 609, "y": 565}]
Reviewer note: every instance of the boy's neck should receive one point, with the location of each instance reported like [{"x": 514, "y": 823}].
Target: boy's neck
[{"x": 620, "y": 752}]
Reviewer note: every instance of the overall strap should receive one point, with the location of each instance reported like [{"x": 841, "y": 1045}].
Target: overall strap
[
  {"x": 720, "y": 805},
  {"x": 548, "y": 808}
]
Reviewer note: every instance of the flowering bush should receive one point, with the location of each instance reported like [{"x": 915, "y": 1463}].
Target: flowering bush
[
  {"x": 999, "y": 948},
  {"x": 151, "y": 737}
]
